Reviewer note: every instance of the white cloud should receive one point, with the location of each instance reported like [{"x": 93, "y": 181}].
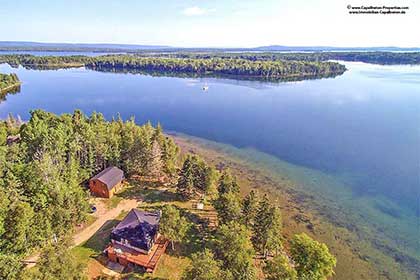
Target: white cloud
[{"x": 194, "y": 11}]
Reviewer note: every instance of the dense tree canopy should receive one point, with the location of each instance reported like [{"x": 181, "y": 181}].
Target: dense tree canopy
[
  {"x": 278, "y": 69},
  {"x": 228, "y": 203},
  {"x": 231, "y": 66},
  {"x": 234, "y": 247},
  {"x": 8, "y": 80},
  {"x": 227, "y": 183},
  {"x": 279, "y": 268},
  {"x": 57, "y": 263},
  {"x": 312, "y": 259},
  {"x": 204, "y": 266},
  {"x": 196, "y": 178},
  {"x": 42, "y": 171},
  {"x": 173, "y": 225},
  {"x": 375, "y": 57},
  {"x": 267, "y": 226},
  {"x": 249, "y": 208}
]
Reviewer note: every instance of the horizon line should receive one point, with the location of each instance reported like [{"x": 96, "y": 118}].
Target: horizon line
[{"x": 207, "y": 47}]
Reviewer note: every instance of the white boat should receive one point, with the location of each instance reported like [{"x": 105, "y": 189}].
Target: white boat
[{"x": 205, "y": 87}]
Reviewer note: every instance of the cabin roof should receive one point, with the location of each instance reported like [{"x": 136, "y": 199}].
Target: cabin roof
[
  {"x": 138, "y": 228},
  {"x": 110, "y": 176}
]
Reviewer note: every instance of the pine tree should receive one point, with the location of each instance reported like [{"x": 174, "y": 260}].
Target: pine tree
[
  {"x": 155, "y": 164},
  {"x": 249, "y": 208},
  {"x": 172, "y": 225},
  {"x": 274, "y": 236},
  {"x": 235, "y": 249},
  {"x": 228, "y": 207},
  {"x": 205, "y": 178},
  {"x": 186, "y": 181},
  {"x": 18, "y": 233},
  {"x": 227, "y": 183},
  {"x": 261, "y": 225},
  {"x": 170, "y": 153}
]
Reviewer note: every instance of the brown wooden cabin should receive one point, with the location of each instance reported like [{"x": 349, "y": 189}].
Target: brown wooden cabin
[{"x": 107, "y": 182}]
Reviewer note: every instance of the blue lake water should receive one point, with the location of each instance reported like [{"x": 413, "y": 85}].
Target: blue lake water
[{"x": 362, "y": 127}]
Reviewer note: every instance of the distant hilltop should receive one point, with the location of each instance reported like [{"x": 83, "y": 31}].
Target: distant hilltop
[
  {"x": 37, "y": 46},
  {"x": 18, "y": 45}
]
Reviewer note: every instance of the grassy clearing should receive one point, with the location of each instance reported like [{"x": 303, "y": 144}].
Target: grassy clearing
[
  {"x": 173, "y": 263},
  {"x": 153, "y": 196},
  {"x": 112, "y": 202},
  {"x": 90, "y": 252}
]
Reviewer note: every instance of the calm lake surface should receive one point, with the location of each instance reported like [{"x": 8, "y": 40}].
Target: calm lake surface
[{"x": 363, "y": 127}]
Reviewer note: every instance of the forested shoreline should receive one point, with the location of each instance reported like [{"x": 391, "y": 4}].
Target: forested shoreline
[
  {"x": 205, "y": 66},
  {"x": 8, "y": 81},
  {"x": 236, "y": 67},
  {"x": 376, "y": 57}
]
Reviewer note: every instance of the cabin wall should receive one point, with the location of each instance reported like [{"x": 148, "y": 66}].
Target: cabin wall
[
  {"x": 121, "y": 259},
  {"x": 118, "y": 187},
  {"x": 98, "y": 188}
]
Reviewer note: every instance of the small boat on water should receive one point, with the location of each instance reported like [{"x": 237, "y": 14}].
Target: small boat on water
[{"x": 205, "y": 87}]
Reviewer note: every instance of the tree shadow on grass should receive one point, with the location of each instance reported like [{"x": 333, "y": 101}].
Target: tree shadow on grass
[
  {"x": 100, "y": 239},
  {"x": 196, "y": 238},
  {"x": 150, "y": 195}
]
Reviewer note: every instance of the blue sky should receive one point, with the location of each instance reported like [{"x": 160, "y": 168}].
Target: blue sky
[{"x": 203, "y": 23}]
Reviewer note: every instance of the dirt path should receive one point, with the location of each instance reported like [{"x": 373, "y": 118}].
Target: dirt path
[{"x": 86, "y": 233}]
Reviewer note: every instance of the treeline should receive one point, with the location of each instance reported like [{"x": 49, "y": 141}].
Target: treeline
[
  {"x": 46, "y": 62},
  {"x": 249, "y": 228},
  {"x": 236, "y": 67},
  {"x": 8, "y": 80},
  {"x": 220, "y": 66},
  {"x": 383, "y": 58},
  {"x": 43, "y": 164}
]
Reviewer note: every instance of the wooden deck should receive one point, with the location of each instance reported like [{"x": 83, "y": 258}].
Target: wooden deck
[{"x": 127, "y": 255}]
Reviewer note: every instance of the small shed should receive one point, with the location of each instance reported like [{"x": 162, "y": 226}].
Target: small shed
[{"x": 107, "y": 182}]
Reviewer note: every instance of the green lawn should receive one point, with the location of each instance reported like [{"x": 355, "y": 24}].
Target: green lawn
[
  {"x": 94, "y": 246},
  {"x": 112, "y": 202}
]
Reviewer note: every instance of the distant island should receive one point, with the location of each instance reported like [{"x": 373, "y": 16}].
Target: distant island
[{"x": 264, "y": 69}]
